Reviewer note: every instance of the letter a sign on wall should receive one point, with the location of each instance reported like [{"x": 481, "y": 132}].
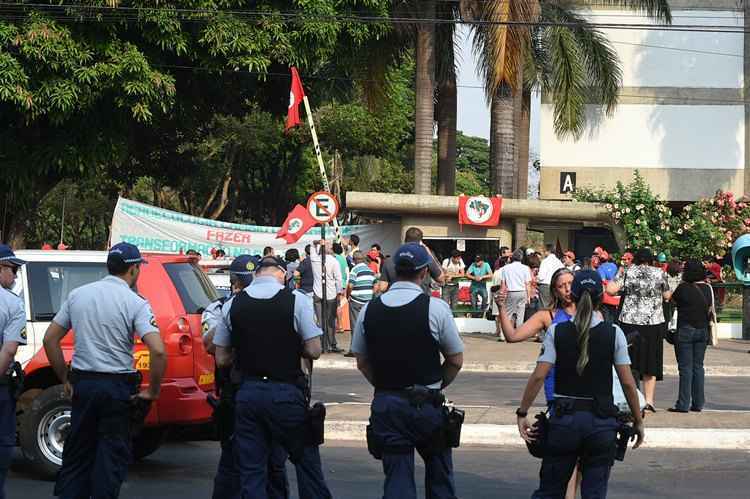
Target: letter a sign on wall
[
  {"x": 323, "y": 207},
  {"x": 567, "y": 182}
]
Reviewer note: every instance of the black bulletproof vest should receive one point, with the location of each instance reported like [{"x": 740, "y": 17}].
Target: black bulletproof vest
[
  {"x": 264, "y": 338},
  {"x": 596, "y": 381},
  {"x": 400, "y": 346}
]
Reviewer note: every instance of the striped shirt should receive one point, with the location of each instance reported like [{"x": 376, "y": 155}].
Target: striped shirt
[{"x": 361, "y": 280}]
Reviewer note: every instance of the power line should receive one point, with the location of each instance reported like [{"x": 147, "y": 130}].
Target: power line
[{"x": 102, "y": 14}]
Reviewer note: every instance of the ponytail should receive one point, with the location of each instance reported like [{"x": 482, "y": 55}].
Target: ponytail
[{"x": 582, "y": 321}]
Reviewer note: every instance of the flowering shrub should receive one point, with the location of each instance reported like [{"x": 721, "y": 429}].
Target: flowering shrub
[{"x": 707, "y": 227}]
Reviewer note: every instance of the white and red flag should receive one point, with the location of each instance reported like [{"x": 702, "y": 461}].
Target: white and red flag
[
  {"x": 296, "y": 95},
  {"x": 297, "y": 223}
]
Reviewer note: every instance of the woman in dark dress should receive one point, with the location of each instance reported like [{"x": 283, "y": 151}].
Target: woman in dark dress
[{"x": 644, "y": 289}]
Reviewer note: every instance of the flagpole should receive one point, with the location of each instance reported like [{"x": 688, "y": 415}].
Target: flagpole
[{"x": 321, "y": 164}]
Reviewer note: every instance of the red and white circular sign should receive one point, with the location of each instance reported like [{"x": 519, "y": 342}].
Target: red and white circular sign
[
  {"x": 323, "y": 207},
  {"x": 479, "y": 209}
]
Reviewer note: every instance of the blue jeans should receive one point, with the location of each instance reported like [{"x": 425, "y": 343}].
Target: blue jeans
[
  {"x": 227, "y": 480},
  {"x": 268, "y": 413},
  {"x": 690, "y": 349},
  {"x": 402, "y": 428},
  {"x": 97, "y": 451},
  {"x": 476, "y": 293},
  {"x": 571, "y": 437}
]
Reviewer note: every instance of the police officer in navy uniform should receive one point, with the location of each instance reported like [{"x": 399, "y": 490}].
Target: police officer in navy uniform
[
  {"x": 107, "y": 316},
  {"x": 12, "y": 334},
  {"x": 267, "y": 329},
  {"x": 582, "y": 423},
  {"x": 227, "y": 479},
  {"x": 398, "y": 340}
]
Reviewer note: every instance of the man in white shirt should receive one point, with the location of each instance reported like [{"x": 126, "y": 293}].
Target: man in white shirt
[
  {"x": 453, "y": 268},
  {"x": 517, "y": 279},
  {"x": 334, "y": 290},
  {"x": 549, "y": 265}
]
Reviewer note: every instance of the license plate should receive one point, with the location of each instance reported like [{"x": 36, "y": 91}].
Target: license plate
[
  {"x": 206, "y": 379},
  {"x": 142, "y": 360}
]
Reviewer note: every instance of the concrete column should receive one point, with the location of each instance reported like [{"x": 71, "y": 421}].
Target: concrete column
[{"x": 520, "y": 228}]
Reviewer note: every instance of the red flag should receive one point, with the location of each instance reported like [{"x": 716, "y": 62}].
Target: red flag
[
  {"x": 296, "y": 94},
  {"x": 297, "y": 223},
  {"x": 479, "y": 210}
]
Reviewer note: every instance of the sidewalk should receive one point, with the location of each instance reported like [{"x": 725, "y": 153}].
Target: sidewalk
[
  {"x": 483, "y": 353},
  {"x": 720, "y": 430}
]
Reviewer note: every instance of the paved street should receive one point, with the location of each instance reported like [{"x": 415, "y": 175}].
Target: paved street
[
  {"x": 505, "y": 390},
  {"x": 185, "y": 471}
]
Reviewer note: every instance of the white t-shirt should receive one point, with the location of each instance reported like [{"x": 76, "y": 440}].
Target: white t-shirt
[
  {"x": 515, "y": 276},
  {"x": 548, "y": 267},
  {"x": 454, "y": 268}
]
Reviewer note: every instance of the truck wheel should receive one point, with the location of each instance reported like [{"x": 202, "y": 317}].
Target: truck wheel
[
  {"x": 148, "y": 441},
  {"x": 44, "y": 426}
]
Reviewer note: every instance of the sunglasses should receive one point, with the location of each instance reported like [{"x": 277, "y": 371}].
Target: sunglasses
[{"x": 13, "y": 268}]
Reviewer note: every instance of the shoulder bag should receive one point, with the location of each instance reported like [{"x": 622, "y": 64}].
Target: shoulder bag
[{"x": 713, "y": 332}]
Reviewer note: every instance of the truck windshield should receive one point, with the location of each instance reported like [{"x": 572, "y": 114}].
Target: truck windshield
[
  {"x": 194, "y": 288},
  {"x": 51, "y": 282}
]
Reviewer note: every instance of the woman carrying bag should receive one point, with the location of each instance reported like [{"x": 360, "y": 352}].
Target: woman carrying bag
[
  {"x": 583, "y": 424},
  {"x": 694, "y": 314}
]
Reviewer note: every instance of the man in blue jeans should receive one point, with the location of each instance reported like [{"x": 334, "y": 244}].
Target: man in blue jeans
[{"x": 479, "y": 272}]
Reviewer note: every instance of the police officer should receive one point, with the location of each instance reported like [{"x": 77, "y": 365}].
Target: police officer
[
  {"x": 12, "y": 334},
  {"x": 227, "y": 480},
  {"x": 398, "y": 341},
  {"x": 106, "y": 315},
  {"x": 267, "y": 329},
  {"x": 582, "y": 424}
]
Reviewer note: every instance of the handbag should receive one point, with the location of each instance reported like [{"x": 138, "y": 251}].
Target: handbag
[{"x": 713, "y": 330}]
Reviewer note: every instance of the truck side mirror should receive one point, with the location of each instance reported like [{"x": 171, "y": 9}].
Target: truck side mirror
[{"x": 741, "y": 259}]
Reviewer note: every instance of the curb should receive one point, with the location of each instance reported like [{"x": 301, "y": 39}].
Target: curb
[
  {"x": 528, "y": 367},
  {"x": 507, "y": 435}
]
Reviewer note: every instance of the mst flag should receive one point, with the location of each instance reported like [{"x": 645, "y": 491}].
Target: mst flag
[
  {"x": 296, "y": 224},
  {"x": 479, "y": 210},
  {"x": 296, "y": 94}
]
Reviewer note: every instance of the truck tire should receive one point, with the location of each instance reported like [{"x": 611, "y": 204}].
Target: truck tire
[
  {"x": 148, "y": 441},
  {"x": 43, "y": 429}
]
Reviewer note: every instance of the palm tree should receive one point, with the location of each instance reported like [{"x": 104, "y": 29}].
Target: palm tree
[
  {"x": 572, "y": 64},
  {"x": 446, "y": 99},
  {"x": 424, "y": 96}
]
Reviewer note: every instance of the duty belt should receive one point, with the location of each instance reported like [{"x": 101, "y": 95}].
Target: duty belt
[
  {"x": 300, "y": 383},
  {"x": 565, "y": 405},
  {"x": 416, "y": 395},
  {"x": 78, "y": 375}
]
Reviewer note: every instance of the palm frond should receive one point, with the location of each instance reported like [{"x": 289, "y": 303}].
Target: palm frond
[
  {"x": 500, "y": 48},
  {"x": 567, "y": 82},
  {"x": 603, "y": 71},
  {"x": 657, "y": 9}
]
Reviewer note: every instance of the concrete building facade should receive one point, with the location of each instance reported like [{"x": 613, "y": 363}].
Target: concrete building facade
[{"x": 681, "y": 120}]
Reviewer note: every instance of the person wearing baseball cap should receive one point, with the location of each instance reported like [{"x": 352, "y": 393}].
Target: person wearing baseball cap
[
  {"x": 12, "y": 335},
  {"x": 583, "y": 352},
  {"x": 226, "y": 482},
  {"x": 107, "y": 316},
  {"x": 398, "y": 340},
  {"x": 264, "y": 333}
]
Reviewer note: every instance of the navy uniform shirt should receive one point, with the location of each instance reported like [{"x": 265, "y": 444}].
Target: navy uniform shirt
[{"x": 106, "y": 315}]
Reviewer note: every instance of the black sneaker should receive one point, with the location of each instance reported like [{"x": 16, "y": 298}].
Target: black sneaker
[
  {"x": 674, "y": 409},
  {"x": 695, "y": 409},
  {"x": 349, "y": 354}
]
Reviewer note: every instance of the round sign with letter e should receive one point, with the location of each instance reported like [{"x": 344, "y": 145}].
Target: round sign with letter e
[{"x": 323, "y": 207}]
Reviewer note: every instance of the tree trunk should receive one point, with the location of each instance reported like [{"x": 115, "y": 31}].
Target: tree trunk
[
  {"x": 523, "y": 136},
  {"x": 502, "y": 142},
  {"x": 447, "y": 110},
  {"x": 425, "y": 92}
]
